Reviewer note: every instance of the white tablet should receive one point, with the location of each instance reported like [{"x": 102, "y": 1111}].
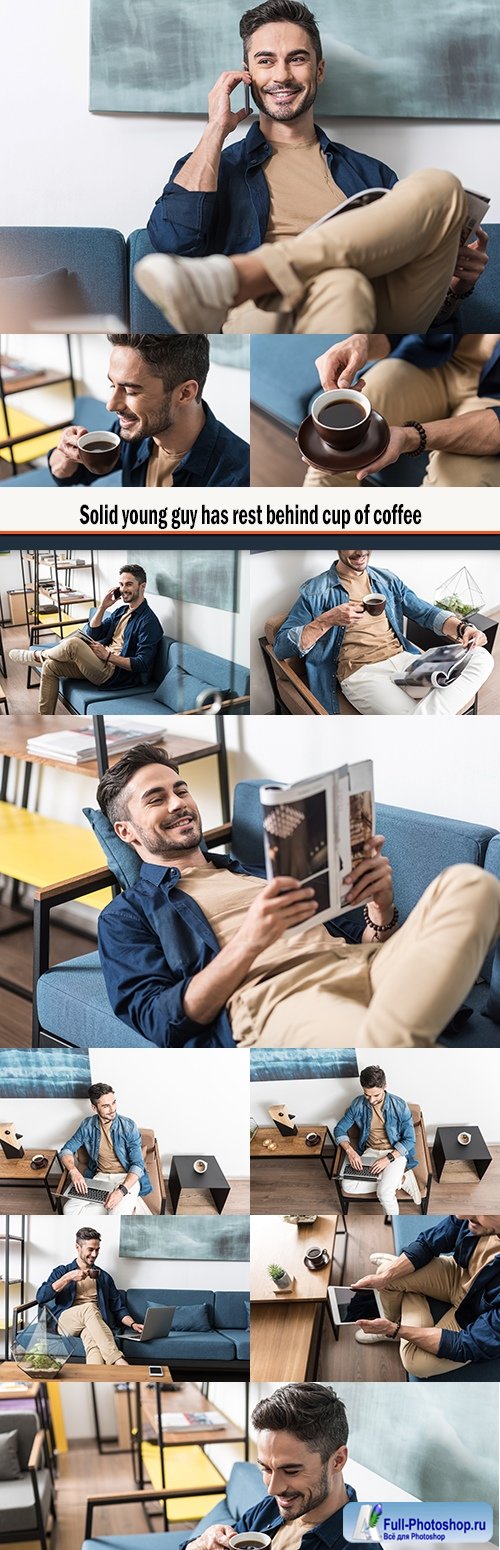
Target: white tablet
[{"x": 349, "y": 1305}]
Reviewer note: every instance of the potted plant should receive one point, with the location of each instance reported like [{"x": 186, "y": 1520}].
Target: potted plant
[
  {"x": 280, "y": 1278},
  {"x": 459, "y": 594}
]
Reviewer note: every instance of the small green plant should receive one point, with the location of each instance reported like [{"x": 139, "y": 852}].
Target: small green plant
[
  {"x": 454, "y": 605},
  {"x": 276, "y": 1272}
]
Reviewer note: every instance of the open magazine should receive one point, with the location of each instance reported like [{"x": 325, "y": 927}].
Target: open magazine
[
  {"x": 477, "y": 207},
  {"x": 316, "y": 829}
]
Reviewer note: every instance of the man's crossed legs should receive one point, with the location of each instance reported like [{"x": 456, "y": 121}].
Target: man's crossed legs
[
  {"x": 72, "y": 658},
  {"x": 406, "y": 1301},
  {"x": 86, "y": 1321}
]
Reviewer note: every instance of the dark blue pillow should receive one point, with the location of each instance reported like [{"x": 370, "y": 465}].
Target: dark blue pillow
[{"x": 191, "y": 1316}]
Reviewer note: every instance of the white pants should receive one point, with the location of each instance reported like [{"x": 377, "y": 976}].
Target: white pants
[
  {"x": 128, "y": 1205},
  {"x": 384, "y": 1184},
  {"x": 372, "y": 690}
]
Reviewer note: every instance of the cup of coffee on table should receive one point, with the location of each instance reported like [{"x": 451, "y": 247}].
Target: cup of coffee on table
[
  {"x": 341, "y": 417},
  {"x": 99, "y": 451},
  {"x": 250, "y": 1541},
  {"x": 374, "y": 604}
]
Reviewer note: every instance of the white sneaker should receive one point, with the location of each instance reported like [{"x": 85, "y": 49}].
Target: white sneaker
[
  {"x": 29, "y": 655},
  {"x": 194, "y": 294},
  {"x": 364, "y": 1338}
]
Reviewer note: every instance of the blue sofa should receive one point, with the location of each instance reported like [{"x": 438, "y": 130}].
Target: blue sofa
[
  {"x": 405, "y": 1231},
  {"x": 222, "y": 1349},
  {"x": 244, "y": 1489},
  {"x": 71, "y": 1005}
]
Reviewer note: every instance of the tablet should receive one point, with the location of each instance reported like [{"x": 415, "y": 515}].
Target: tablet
[{"x": 348, "y": 1305}]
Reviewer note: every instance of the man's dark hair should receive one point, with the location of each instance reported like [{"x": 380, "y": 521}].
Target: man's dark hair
[
  {"x": 175, "y": 358},
  {"x": 110, "y": 791},
  {"x": 98, "y": 1090},
  {"x": 280, "y": 11},
  {"x": 133, "y": 570},
  {"x": 313, "y": 1412},
  {"x": 373, "y": 1076},
  {"x": 87, "y": 1235}
]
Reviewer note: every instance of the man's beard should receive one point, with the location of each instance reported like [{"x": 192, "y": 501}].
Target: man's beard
[
  {"x": 294, "y": 109},
  {"x": 157, "y": 423},
  {"x": 160, "y": 844},
  {"x": 309, "y": 1500}
]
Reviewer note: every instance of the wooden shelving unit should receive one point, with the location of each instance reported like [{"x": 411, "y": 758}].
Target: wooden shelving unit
[{"x": 15, "y": 379}]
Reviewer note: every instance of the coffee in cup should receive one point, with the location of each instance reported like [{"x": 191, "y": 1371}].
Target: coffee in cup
[
  {"x": 374, "y": 604},
  {"x": 250, "y": 1542},
  {"x": 99, "y": 451},
  {"x": 315, "y": 1253},
  {"x": 341, "y": 417}
]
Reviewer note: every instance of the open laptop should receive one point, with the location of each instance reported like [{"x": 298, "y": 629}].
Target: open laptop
[{"x": 157, "y": 1324}]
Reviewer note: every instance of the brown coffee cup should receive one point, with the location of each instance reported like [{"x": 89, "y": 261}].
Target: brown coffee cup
[
  {"x": 374, "y": 604},
  {"x": 99, "y": 451},
  {"x": 341, "y": 417}
]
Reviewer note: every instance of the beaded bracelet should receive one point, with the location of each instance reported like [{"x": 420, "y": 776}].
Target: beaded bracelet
[
  {"x": 380, "y": 930},
  {"x": 422, "y": 443}
]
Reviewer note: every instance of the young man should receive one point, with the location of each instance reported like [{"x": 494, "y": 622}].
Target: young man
[
  {"x": 457, "y": 1262},
  {"x": 388, "y": 262},
  {"x": 168, "y": 433},
  {"x": 85, "y": 1301},
  {"x": 440, "y": 392},
  {"x": 386, "y": 1141},
  {"x": 117, "y": 648},
  {"x": 113, "y": 1146},
  {"x": 340, "y": 642},
  {"x": 302, "y": 1434},
  {"x": 195, "y": 953}
]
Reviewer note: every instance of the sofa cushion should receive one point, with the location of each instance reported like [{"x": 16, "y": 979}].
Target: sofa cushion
[
  {"x": 230, "y": 1310},
  {"x": 190, "y": 1316},
  {"x": 240, "y": 1339},
  {"x": 244, "y": 1489},
  {"x": 18, "y": 1509},
  {"x": 179, "y": 690},
  {"x": 121, "y": 858},
  {"x": 80, "y": 694},
  {"x": 205, "y": 665},
  {"x": 140, "y": 1298},
  {"x": 10, "y": 1468},
  {"x": 28, "y": 297},
  {"x": 140, "y": 702},
  {"x": 211, "y": 1346},
  {"x": 73, "y": 1005}
]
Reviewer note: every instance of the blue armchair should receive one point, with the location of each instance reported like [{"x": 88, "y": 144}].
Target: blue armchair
[
  {"x": 243, "y": 1490},
  {"x": 70, "y": 1001},
  {"x": 404, "y": 1231}
]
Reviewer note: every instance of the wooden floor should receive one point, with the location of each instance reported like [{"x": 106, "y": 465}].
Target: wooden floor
[
  {"x": 344, "y": 1358},
  {"x": 84, "y": 1472},
  {"x": 19, "y": 698},
  {"x": 278, "y": 1187},
  {"x": 16, "y": 964},
  {"x": 275, "y": 458}
]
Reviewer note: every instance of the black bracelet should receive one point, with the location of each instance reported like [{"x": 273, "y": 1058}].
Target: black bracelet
[
  {"x": 396, "y": 1332},
  {"x": 380, "y": 930},
  {"x": 422, "y": 443},
  {"x": 462, "y": 627}
]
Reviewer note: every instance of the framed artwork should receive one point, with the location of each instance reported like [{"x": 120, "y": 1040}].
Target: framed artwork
[
  {"x": 185, "y": 1237},
  {"x": 390, "y": 61},
  {"x": 301, "y": 1065},
  {"x": 212, "y": 579},
  {"x": 27, "y": 1073}
]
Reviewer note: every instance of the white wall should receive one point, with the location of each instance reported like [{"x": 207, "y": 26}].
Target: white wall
[
  {"x": 449, "y": 767},
  {"x": 276, "y": 577},
  {"x": 451, "y": 1090},
  {"x": 177, "y": 1093},
  {"x": 108, "y": 170},
  {"x": 51, "y": 1241}
]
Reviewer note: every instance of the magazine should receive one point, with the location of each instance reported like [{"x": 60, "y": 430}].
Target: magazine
[
  {"x": 78, "y": 747},
  {"x": 316, "y": 829},
  {"x": 193, "y": 1420},
  {"x": 478, "y": 206}
]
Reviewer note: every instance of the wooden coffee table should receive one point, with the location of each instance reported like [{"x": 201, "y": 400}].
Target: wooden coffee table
[
  {"x": 284, "y": 1325},
  {"x": 295, "y": 1146},
  {"x": 17, "y": 1173},
  {"x": 81, "y": 1372}
]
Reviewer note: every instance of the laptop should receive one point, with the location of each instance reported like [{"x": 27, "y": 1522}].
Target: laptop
[
  {"x": 157, "y": 1324},
  {"x": 359, "y": 1173},
  {"x": 97, "y": 1192}
]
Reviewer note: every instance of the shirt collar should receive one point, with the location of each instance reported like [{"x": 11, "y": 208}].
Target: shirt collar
[
  {"x": 157, "y": 872},
  {"x": 331, "y": 1531}
]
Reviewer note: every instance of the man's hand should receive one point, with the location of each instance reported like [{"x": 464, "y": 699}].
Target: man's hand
[
  {"x": 67, "y": 456},
  {"x": 401, "y": 439},
  {"x": 470, "y": 636},
  {"x": 283, "y": 903},
  {"x": 472, "y": 259},
  {"x": 78, "y": 1181},
  {"x": 338, "y": 366},
  {"x": 113, "y": 1199},
  {"x": 377, "y": 1326},
  {"x": 76, "y": 1275},
  {"x": 108, "y": 599},
  {"x": 343, "y": 615},
  {"x": 221, "y": 117},
  {"x": 371, "y": 878},
  {"x": 215, "y": 1538},
  {"x": 379, "y": 1165},
  {"x": 354, "y": 1158},
  {"x": 99, "y": 650},
  {"x": 370, "y": 1283}
]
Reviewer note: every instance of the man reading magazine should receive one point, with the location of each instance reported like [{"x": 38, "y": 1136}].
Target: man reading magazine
[{"x": 199, "y": 951}]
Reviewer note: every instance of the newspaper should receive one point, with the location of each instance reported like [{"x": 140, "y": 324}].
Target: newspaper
[{"x": 315, "y": 831}]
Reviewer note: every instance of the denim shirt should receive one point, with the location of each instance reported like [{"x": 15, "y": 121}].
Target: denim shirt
[
  {"x": 397, "y": 1120},
  {"x": 437, "y": 347},
  {"x": 234, "y": 217},
  {"x": 141, "y": 640},
  {"x": 327, "y": 591},
  {"x": 153, "y": 939},
  {"x": 479, "y": 1313},
  {"x": 126, "y": 1139},
  {"x": 264, "y": 1518},
  {"x": 218, "y": 456},
  {"x": 111, "y": 1303}
]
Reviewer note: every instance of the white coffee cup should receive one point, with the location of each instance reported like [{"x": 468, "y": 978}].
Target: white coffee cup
[
  {"x": 200, "y": 1166},
  {"x": 464, "y": 1137}
]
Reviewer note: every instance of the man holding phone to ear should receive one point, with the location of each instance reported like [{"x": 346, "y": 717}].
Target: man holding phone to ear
[{"x": 254, "y": 201}]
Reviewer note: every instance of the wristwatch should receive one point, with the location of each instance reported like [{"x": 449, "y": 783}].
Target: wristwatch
[
  {"x": 391, "y": 1156},
  {"x": 123, "y": 1190}
]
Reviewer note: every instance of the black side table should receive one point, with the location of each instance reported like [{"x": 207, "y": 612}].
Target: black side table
[
  {"x": 447, "y": 1148},
  {"x": 183, "y": 1176}
]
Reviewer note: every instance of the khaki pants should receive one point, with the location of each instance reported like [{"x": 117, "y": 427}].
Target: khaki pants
[
  {"x": 130, "y": 1204},
  {"x": 406, "y": 1300},
  {"x": 73, "y": 658},
  {"x": 86, "y": 1320},
  {"x": 402, "y": 391},
  {"x": 401, "y": 994},
  {"x": 373, "y": 692},
  {"x": 386, "y": 266}
]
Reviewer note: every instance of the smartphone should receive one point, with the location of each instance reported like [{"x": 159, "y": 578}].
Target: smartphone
[
  {"x": 248, "y": 105},
  {"x": 349, "y": 1305},
  {"x": 155, "y": 1372},
  {"x": 117, "y": 593}
]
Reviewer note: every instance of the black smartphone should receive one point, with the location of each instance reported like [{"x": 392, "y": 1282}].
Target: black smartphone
[
  {"x": 248, "y": 105},
  {"x": 117, "y": 593}
]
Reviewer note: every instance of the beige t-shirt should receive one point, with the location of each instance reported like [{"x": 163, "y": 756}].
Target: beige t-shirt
[
  {"x": 116, "y": 643},
  {"x": 378, "y": 1137},
  {"x": 290, "y": 1536},
  {"x": 301, "y": 188},
  {"x": 161, "y": 467},
  {"x": 484, "y": 1252},
  {"x": 368, "y": 639},
  {"x": 107, "y": 1161},
  {"x": 297, "y": 968},
  {"x": 86, "y": 1290}
]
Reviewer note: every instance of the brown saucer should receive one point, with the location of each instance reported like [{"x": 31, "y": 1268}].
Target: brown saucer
[{"x": 328, "y": 460}]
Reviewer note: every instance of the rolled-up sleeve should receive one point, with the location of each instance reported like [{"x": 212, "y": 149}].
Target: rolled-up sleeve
[
  {"x": 183, "y": 219},
  {"x": 145, "y": 993}
]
